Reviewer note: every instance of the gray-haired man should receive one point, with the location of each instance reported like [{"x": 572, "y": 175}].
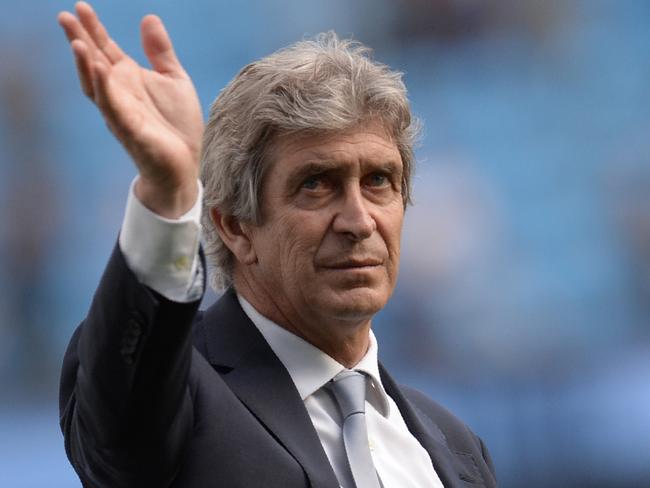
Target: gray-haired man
[{"x": 305, "y": 169}]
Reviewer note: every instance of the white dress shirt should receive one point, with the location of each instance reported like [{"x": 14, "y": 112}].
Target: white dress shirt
[
  {"x": 163, "y": 254},
  {"x": 400, "y": 460}
]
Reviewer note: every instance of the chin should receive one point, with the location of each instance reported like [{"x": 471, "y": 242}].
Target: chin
[{"x": 356, "y": 304}]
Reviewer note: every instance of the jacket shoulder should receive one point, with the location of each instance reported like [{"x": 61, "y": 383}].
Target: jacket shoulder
[
  {"x": 449, "y": 423},
  {"x": 460, "y": 438}
]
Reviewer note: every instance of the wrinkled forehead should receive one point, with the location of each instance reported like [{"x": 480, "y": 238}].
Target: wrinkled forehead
[
  {"x": 370, "y": 139},
  {"x": 350, "y": 151}
]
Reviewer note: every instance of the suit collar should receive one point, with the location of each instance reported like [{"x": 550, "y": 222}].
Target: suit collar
[
  {"x": 309, "y": 367},
  {"x": 234, "y": 346},
  {"x": 427, "y": 433}
]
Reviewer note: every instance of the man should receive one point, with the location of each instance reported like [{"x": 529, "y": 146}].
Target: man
[{"x": 305, "y": 171}]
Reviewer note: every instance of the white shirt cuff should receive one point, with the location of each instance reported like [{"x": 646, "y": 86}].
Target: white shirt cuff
[{"x": 163, "y": 253}]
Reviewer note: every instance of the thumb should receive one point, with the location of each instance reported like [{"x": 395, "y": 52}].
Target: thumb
[{"x": 158, "y": 46}]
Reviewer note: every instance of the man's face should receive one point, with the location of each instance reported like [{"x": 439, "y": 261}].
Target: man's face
[{"x": 329, "y": 243}]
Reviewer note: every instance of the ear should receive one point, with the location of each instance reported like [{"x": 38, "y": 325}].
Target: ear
[{"x": 236, "y": 236}]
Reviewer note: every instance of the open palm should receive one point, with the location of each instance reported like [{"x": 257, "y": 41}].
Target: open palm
[{"x": 155, "y": 113}]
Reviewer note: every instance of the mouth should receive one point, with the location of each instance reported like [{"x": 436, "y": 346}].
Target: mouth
[{"x": 353, "y": 264}]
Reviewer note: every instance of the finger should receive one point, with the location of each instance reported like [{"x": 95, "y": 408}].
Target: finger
[
  {"x": 158, "y": 47},
  {"x": 78, "y": 39},
  {"x": 74, "y": 30},
  {"x": 121, "y": 122},
  {"x": 100, "y": 85},
  {"x": 70, "y": 25},
  {"x": 84, "y": 67},
  {"x": 98, "y": 33},
  {"x": 101, "y": 91}
]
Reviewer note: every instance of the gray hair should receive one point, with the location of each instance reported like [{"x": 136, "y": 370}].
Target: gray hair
[{"x": 324, "y": 85}]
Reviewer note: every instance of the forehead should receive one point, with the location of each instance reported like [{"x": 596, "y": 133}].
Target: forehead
[{"x": 366, "y": 145}]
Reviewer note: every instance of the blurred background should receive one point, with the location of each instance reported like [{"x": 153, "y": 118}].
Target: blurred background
[{"x": 524, "y": 297}]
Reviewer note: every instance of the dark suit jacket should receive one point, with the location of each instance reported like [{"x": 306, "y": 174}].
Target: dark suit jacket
[{"x": 154, "y": 393}]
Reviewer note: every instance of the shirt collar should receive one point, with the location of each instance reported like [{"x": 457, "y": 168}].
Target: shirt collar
[{"x": 309, "y": 367}]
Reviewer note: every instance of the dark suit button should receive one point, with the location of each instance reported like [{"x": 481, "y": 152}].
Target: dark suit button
[
  {"x": 133, "y": 327},
  {"x": 130, "y": 340}
]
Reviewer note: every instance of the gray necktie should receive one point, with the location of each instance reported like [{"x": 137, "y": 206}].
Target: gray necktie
[{"x": 349, "y": 388}]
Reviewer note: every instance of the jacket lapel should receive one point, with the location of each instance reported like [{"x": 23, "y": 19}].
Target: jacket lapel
[
  {"x": 426, "y": 432},
  {"x": 235, "y": 347}
]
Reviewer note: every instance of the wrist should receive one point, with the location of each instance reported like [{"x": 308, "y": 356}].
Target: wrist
[{"x": 171, "y": 201}]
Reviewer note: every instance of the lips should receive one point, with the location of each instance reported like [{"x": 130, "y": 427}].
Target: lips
[{"x": 353, "y": 263}]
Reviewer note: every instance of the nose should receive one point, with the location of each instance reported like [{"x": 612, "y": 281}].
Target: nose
[{"x": 353, "y": 218}]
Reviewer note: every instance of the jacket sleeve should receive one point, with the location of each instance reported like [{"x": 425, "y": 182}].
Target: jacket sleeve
[{"x": 125, "y": 406}]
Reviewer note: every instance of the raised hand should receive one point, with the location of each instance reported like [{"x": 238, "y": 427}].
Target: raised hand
[{"x": 155, "y": 113}]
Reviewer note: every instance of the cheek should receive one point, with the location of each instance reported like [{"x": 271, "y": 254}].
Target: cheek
[
  {"x": 294, "y": 242},
  {"x": 392, "y": 232},
  {"x": 390, "y": 226}
]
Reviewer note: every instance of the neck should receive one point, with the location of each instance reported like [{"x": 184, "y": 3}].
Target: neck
[{"x": 346, "y": 341}]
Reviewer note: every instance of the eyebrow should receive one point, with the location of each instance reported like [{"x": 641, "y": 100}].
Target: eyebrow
[
  {"x": 317, "y": 167},
  {"x": 391, "y": 167},
  {"x": 311, "y": 168}
]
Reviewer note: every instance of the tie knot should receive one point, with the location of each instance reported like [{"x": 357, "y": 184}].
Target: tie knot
[{"x": 349, "y": 388}]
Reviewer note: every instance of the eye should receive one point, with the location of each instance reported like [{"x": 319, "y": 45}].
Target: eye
[
  {"x": 377, "y": 180},
  {"x": 317, "y": 183},
  {"x": 312, "y": 182}
]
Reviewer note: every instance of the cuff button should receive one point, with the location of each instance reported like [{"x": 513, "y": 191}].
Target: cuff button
[{"x": 182, "y": 263}]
